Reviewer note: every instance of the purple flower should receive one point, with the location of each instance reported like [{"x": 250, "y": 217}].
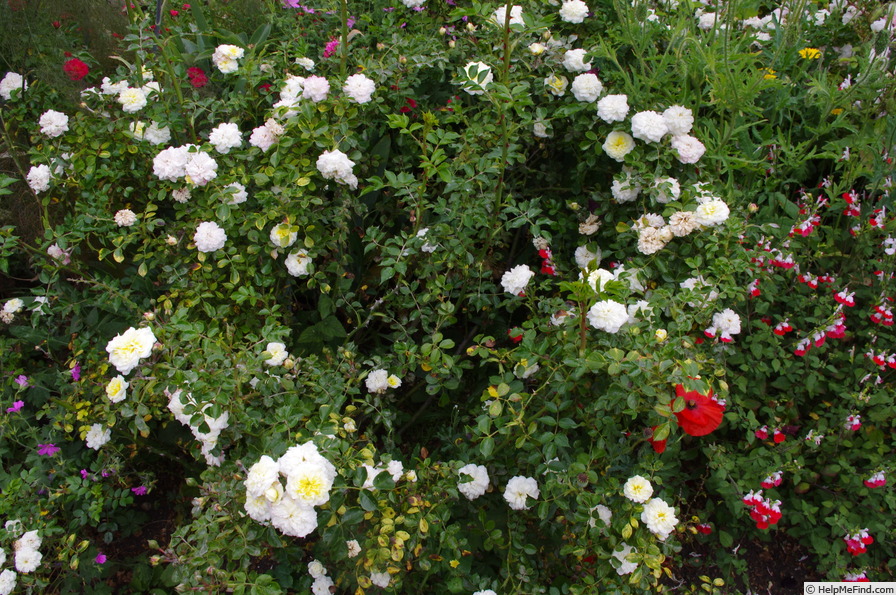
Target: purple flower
[
  {"x": 47, "y": 449},
  {"x": 15, "y": 406},
  {"x": 76, "y": 372},
  {"x": 22, "y": 380},
  {"x": 139, "y": 491},
  {"x": 350, "y": 22},
  {"x": 330, "y": 48},
  {"x": 83, "y": 473},
  {"x": 100, "y": 558}
]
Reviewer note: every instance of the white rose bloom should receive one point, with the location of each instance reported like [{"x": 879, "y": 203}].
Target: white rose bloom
[
  {"x": 476, "y": 84},
  {"x": 678, "y": 120},
  {"x": 515, "y": 280},
  {"x": 649, "y": 126},
  {"x": 413, "y": 3},
  {"x": 573, "y": 61},
  {"x": 711, "y": 213},
  {"x": 27, "y": 560},
  {"x": 726, "y": 322},
  {"x": 518, "y": 490},
  {"x": 556, "y": 84},
  {"x": 125, "y": 218},
  {"x": 181, "y": 195},
  {"x": 97, "y": 436},
  {"x": 290, "y": 94},
  {"x": 613, "y": 108},
  {"x": 261, "y": 475},
  {"x": 309, "y": 483},
  {"x": 225, "y": 58},
  {"x": 637, "y": 489},
  {"x": 598, "y": 278},
  {"x": 12, "y": 82},
  {"x": 225, "y": 137},
  {"x": 476, "y": 486},
  {"x": 209, "y": 237},
  {"x": 335, "y": 165},
  {"x": 536, "y": 49},
  {"x": 358, "y": 88},
  {"x": 263, "y": 138},
  {"x": 283, "y": 235},
  {"x": 132, "y": 100},
  {"x": 354, "y": 548},
  {"x": 13, "y": 306},
  {"x": 689, "y": 149},
  {"x": 516, "y": 15},
  {"x": 651, "y": 240},
  {"x": 28, "y": 541},
  {"x": 7, "y": 577},
  {"x": 587, "y": 87},
  {"x": 706, "y": 21},
  {"x": 625, "y": 190},
  {"x": 540, "y": 130},
  {"x": 321, "y": 585},
  {"x": 603, "y": 513},
  {"x": 618, "y": 145},
  {"x": 666, "y": 189},
  {"x": 584, "y": 257},
  {"x": 200, "y": 169},
  {"x": 237, "y": 193},
  {"x": 573, "y": 11},
  {"x": 127, "y": 349},
  {"x": 156, "y": 135},
  {"x": 625, "y": 567},
  {"x": 377, "y": 381},
  {"x": 110, "y": 88},
  {"x": 293, "y": 519},
  {"x": 395, "y": 469},
  {"x": 315, "y": 88},
  {"x": 608, "y": 315},
  {"x": 170, "y": 164},
  {"x": 380, "y": 579},
  {"x": 53, "y": 123},
  {"x": 278, "y": 354},
  {"x": 659, "y": 518},
  {"x": 297, "y": 263},
  {"x": 682, "y": 223},
  {"x": 306, "y": 63},
  {"x": 116, "y": 390},
  {"x": 39, "y": 178}
]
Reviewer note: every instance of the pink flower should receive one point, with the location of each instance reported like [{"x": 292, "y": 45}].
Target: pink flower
[
  {"x": 15, "y": 406},
  {"x": 76, "y": 372},
  {"x": 47, "y": 449},
  {"x": 100, "y": 558},
  {"x": 22, "y": 380},
  {"x": 331, "y": 46},
  {"x": 139, "y": 491}
]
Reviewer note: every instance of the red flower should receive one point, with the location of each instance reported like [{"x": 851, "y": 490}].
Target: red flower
[
  {"x": 197, "y": 77},
  {"x": 75, "y": 69},
  {"x": 701, "y": 414},
  {"x": 173, "y": 13},
  {"x": 659, "y": 446}
]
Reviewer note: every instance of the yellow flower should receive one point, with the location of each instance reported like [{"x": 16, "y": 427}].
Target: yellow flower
[
  {"x": 837, "y": 111},
  {"x": 769, "y": 73},
  {"x": 454, "y": 563},
  {"x": 810, "y": 53}
]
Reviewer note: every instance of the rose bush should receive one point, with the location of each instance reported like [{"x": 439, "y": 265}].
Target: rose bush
[{"x": 360, "y": 322}]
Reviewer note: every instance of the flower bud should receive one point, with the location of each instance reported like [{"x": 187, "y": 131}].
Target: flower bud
[
  {"x": 660, "y": 335},
  {"x": 471, "y": 27},
  {"x": 171, "y": 241},
  {"x": 452, "y": 43},
  {"x": 753, "y": 207},
  {"x": 402, "y": 60},
  {"x": 442, "y": 30}
]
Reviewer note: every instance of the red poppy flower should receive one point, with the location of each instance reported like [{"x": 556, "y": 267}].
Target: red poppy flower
[{"x": 701, "y": 414}]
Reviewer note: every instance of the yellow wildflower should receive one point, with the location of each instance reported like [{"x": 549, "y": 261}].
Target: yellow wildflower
[{"x": 810, "y": 53}]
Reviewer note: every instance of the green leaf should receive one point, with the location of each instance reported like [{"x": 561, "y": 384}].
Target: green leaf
[
  {"x": 366, "y": 500},
  {"x": 487, "y": 446}
]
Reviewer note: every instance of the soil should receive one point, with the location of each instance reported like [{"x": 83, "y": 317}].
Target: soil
[{"x": 779, "y": 566}]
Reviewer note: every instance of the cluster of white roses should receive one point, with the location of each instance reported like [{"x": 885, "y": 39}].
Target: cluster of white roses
[
  {"x": 657, "y": 515},
  {"x": 298, "y": 261},
  {"x": 225, "y": 58},
  {"x": 651, "y": 127},
  {"x": 653, "y": 231},
  {"x": 474, "y": 482},
  {"x": 335, "y": 165},
  {"x": 195, "y": 166},
  {"x": 27, "y": 557},
  {"x": 322, "y": 583},
  {"x": 379, "y": 381},
  {"x": 215, "y": 425},
  {"x": 12, "y": 81},
  {"x": 290, "y": 508},
  {"x": 265, "y": 136},
  {"x": 394, "y": 468}
]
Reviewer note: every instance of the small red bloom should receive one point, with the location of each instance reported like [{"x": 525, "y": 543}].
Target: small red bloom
[
  {"x": 778, "y": 436},
  {"x": 704, "y": 528},
  {"x": 701, "y": 414},
  {"x": 659, "y": 446},
  {"x": 762, "y": 433},
  {"x": 516, "y": 338},
  {"x": 56, "y": 24},
  {"x": 174, "y": 13}
]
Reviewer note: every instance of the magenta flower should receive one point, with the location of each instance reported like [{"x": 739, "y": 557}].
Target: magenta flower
[
  {"x": 101, "y": 558},
  {"x": 83, "y": 473},
  {"x": 76, "y": 372},
  {"x": 330, "y": 48},
  {"x": 47, "y": 449},
  {"x": 139, "y": 491},
  {"x": 22, "y": 380},
  {"x": 15, "y": 406}
]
